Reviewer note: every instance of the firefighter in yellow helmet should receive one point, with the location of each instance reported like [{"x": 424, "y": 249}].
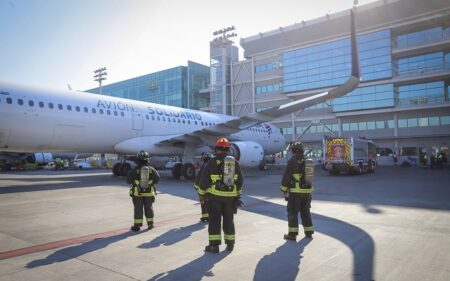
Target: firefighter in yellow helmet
[
  {"x": 297, "y": 192},
  {"x": 203, "y": 203},
  {"x": 221, "y": 183},
  {"x": 143, "y": 178}
]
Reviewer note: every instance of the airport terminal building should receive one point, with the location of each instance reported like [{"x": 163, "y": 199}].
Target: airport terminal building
[
  {"x": 178, "y": 86},
  {"x": 402, "y": 102}
]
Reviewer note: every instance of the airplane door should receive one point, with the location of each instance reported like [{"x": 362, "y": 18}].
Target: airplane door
[{"x": 138, "y": 121}]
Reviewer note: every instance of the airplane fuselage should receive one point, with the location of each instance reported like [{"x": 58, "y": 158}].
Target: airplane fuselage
[{"x": 47, "y": 120}]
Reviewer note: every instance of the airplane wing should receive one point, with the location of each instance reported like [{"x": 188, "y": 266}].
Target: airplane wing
[{"x": 243, "y": 122}]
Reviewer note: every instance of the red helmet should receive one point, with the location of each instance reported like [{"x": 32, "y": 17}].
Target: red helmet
[{"x": 223, "y": 143}]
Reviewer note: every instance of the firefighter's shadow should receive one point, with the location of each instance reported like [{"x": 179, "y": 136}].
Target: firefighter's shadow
[
  {"x": 194, "y": 270},
  {"x": 283, "y": 264},
  {"x": 173, "y": 236},
  {"x": 79, "y": 250}
]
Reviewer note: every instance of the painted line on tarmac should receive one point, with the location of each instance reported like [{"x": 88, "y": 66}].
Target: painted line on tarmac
[{"x": 81, "y": 239}]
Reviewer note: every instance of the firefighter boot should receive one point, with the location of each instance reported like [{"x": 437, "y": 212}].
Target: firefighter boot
[
  {"x": 290, "y": 236},
  {"x": 308, "y": 235},
  {"x": 135, "y": 228},
  {"x": 230, "y": 247},
  {"x": 150, "y": 226},
  {"x": 212, "y": 249}
]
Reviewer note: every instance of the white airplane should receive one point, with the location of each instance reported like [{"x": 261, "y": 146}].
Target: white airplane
[{"x": 34, "y": 120}]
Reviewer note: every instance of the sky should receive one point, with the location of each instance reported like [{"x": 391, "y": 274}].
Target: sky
[{"x": 56, "y": 43}]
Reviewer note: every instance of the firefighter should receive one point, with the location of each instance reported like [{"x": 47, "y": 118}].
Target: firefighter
[
  {"x": 297, "y": 190},
  {"x": 203, "y": 203},
  {"x": 221, "y": 183},
  {"x": 143, "y": 178}
]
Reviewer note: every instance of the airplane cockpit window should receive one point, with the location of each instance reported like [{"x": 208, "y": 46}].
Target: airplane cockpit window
[
  {"x": 69, "y": 107},
  {"x": 86, "y": 109},
  {"x": 77, "y": 108},
  {"x": 50, "y": 105},
  {"x": 31, "y": 103},
  {"x": 100, "y": 111},
  {"x": 19, "y": 101},
  {"x": 41, "y": 104},
  {"x": 9, "y": 100},
  {"x": 60, "y": 107},
  {"x": 94, "y": 111}
]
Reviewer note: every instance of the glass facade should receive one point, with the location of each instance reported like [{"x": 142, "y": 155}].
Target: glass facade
[
  {"x": 170, "y": 87},
  {"x": 329, "y": 64},
  {"x": 421, "y": 94},
  {"x": 422, "y": 64},
  {"x": 366, "y": 98},
  {"x": 422, "y": 37}
]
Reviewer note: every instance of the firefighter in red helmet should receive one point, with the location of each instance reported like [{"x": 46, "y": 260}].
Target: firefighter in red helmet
[{"x": 221, "y": 184}]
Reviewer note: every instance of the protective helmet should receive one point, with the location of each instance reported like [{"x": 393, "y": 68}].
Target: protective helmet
[
  {"x": 296, "y": 147},
  {"x": 222, "y": 144},
  {"x": 143, "y": 155}
]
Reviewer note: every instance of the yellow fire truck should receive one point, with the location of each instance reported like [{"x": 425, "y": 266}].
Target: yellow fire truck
[{"x": 348, "y": 155}]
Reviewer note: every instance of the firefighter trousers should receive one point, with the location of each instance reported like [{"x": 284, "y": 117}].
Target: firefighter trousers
[
  {"x": 204, "y": 207},
  {"x": 143, "y": 203},
  {"x": 299, "y": 203},
  {"x": 221, "y": 207}
]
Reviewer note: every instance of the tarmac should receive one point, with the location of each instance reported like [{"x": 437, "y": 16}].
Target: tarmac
[{"x": 74, "y": 225}]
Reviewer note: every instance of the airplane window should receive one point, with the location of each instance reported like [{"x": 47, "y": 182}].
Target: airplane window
[
  {"x": 41, "y": 104},
  {"x": 77, "y": 108},
  {"x": 146, "y": 117},
  {"x": 157, "y": 118},
  {"x": 122, "y": 114},
  {"x": 189, "y": 122},
  {"x": 202, "y": 123},
  {"x": 184, "y": 121},
  {"x": 100, "y": 111},
  {"x": 9, "y": 100},
  {"x": 115, "y": 113},
  {"x": 60, "y": 107},
  {"x": 93, "y": 110},
  {"x": 173, "y": 120},
  {"x": 179, "y": 121},
  {"x": 108, "y": 112},
  {"x": 31, "y": 103},
  {"x": 86, "y": 109},
  {"x": 50, "y": 105},
  {"x": 20, "y": 101},
  {"x": 69, "y": 107},
  {"x": 153, "y": 117},
  {"x": 164, "y": 119},
  {"x": 195, "y": 122}
]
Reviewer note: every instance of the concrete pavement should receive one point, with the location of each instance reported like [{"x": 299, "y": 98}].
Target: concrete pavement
[{"x": 73, "y": 225}]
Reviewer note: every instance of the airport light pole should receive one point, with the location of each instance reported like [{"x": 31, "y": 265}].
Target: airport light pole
[
  {"x": 99, "y": 76},
  {"x": 223, "y": 41}
]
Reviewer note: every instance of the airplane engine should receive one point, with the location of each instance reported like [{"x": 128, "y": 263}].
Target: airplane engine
[
  {"x": 248, "y": 153},
  {"x": 40, "y": 158}
]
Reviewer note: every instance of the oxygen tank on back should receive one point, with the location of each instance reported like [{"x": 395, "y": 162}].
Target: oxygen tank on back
[
  {"x": 309, "y": 172},
  {"x": 144, "y": 178},
  {"x": 228, "y": 171}
]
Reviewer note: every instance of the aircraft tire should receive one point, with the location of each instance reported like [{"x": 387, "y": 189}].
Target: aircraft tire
[
  {"x": 125, "y": 169},
  {"x": 116, "y": 169},
  {"x": 188, "y": 171},
  {"x": 176, "y": 171}
]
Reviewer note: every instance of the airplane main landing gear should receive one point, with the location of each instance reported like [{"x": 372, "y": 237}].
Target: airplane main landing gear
[
  {"x": 121, "y": 169},
  {"x": 187, "y": 170}
]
